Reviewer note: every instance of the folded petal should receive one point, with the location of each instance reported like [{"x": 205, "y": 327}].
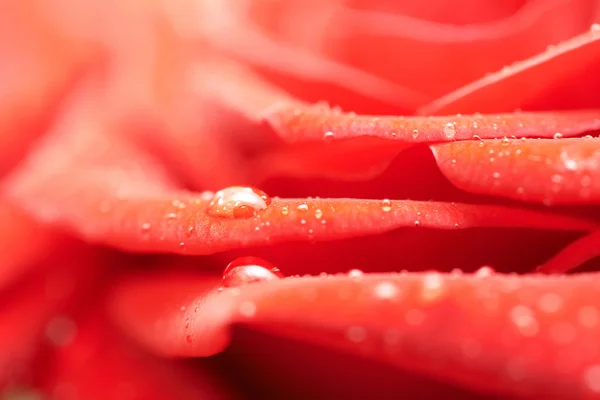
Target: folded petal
[
  {"x": 561, "y": 77},
  {"x": 523, "y": 336},
  {"x": 558, "y": 171}
]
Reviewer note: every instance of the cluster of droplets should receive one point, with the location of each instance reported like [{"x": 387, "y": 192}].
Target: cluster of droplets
[{"x": 238, "y": 202}]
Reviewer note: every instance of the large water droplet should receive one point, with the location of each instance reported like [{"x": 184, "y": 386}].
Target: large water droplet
[
  {"x": 386, "y": 205},
  {"x": 246, "y": 270},
  {"x": 238, "y": 202},
  {"x": 450, "y": 130}
]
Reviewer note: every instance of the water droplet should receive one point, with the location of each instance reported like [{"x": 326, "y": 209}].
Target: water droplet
[
  {"x": 484, "y": 272},
  {"x": 450, "y": 130},
  {"x": 415, "y": 133},
  {"x": 355, "y": 273},
  {"x": 238, "y": 202},
  {"x": 550, "y": 302},
  {"x": 588, "y": 316},
  {"x": 591, "y": 377},
  {"x": 247, "y": 309},
  {"x": 328, "y": 137},
  {"x": 558, "y": 135},
  {"x": 318, "y": 213},
  {"x": 386, "y": 290},
  {"x": 285, "y": 210},
  {"x": 356, "y": 334},
  {"x": 146, "y": 227},
  {"x": 415, "y": 317},
  {"x": 170, "y": 216},
  {"x": 302, "y": 207},
  {"x": 417, "y": 223},
  {"x": 246, "y": 270},
  {"x": 61, "y": 331},
  {"x": 496, "y": 175},
  {"x": 386, "y": 205},
  {"x": 505, "y": 141},
  {"x": 524, "y": 320}
]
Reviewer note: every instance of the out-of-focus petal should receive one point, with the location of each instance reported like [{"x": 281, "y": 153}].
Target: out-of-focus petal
[
  {"x": 98, "y": 364},
  {"x": 526, "y": 336},
  {"x": 562, "y": 77}
]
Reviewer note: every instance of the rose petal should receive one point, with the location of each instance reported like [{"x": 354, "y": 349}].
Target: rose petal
[
  {"x": 22, "y": 243},
  {"x": 435, "y": 58},
  {"x": 30, "y": 304},
  {"x": 556, "y": 171},
  {"x": 574, "y": 255},
  {"x": 561, "y": 77},
  {"x": 498, "y": 331},
  {"x": 98, "y": 364}
]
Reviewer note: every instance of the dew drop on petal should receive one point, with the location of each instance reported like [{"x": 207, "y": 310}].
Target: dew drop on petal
[
  {"x": 302, "y": 207},
  {"x": 328, "y": 136},
  {"x": 386, "y": 290},
  {"x": 246, "y": 270},
  {"x": 523, "y": 318},
  {"x": 355, "y": 273},
  {"x": 484, "y": 272},
  {"x": 238, "y": 202},
  {"x": 591, "y": 378},
  {"x": 318, "y": 213},
  {"x": 285, "y": 210},
  {"x": 415, "y": 133},
  {"x": 450, "y": 130},
  {"x": 386, "y": 205},
  {"x": 558, "y": 135},
  {"x": 146, "y": 227}
]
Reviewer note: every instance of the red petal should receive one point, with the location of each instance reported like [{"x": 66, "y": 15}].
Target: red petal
[
  {"x": 499, "y": 334},
  {"x": 574, "y": 255},
  {"x": 561, "y": 77},
  {"x": 100, "y": 365},
  {"x": 557, "y": 171},
  {"x": 31, "y": 303},
  {"x": 22, "y": 242},
  {"x": 436, "y": 58}
]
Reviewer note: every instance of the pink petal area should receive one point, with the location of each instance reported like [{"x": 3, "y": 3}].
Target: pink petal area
[
  {"x": 546, "y": 81},
  {"x": 231, "y": 33},
  {"x": 99, "y": 364},
  {"x": 574, "y": 255},
  {"x": 436, "y": 58},
  {"x": 560, "y": 171},
  {"x": 525, "y": 336}
]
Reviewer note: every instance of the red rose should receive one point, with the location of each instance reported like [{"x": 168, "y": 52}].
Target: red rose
[{"x": 147, "y": 145}]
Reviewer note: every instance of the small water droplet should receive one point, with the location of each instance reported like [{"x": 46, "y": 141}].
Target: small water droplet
[
  {"x": 238, "y": 202},
  {"x": 505, "y": 141},
  {"x": 496, "y": 175},
  {"x": 328, "y": 137},
  {"x": 285, "y": 210},
  {"x": 450, "y": 130},
  {"x": 170, "y": 216},
  {"x": 302, "y": 207},
  {"x": 524, "y": 320},
  {"x": 246, "y": 270},
  {"x": 386, "y": 290},
  {"x": 415, "y": 133},
  {"x": 558, "y": 135},
  {"x": 417, "y": 223},
  {"x": 355, "y": 273},
  {"x": 146, "y": 227},
  {"x": 356, "y": 334},
  {"x": 318, "y": 213},
  {"x": 386, "y": 205},
  {"x": 484, "y": 272}
]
